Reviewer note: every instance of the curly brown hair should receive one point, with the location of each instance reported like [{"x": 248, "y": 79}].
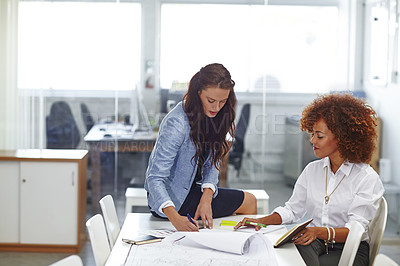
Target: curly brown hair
[{"x": 350, "y": 119}]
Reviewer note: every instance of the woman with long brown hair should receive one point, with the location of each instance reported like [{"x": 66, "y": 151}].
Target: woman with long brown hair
[{"x": 182, "y": 176}]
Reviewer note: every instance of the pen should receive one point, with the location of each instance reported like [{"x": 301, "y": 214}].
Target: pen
[
  {"x": 190, "y": 219},
  {"x": 253, "y": 223}
]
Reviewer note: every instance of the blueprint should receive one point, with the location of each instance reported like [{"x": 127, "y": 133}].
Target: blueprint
[{"x": 180, "y": 249}]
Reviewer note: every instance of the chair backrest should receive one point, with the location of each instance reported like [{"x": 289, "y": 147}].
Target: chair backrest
[
  {"x": 352, "y": 243},
  {"x": 110, "y": 218},
  {"x": 87, "y": 117},
  {"x": 61, "y": 129},
  {"x": 98, "y": 239},
  {"x": 376, "y": 228},
  {"x": 236, "y": 154},
  {"x": 73, "y": 260},
  {"x": 383, "y": 260},
  {"x": 243, "y": 123}
]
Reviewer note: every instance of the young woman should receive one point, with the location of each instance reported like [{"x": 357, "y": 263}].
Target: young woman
[
  {"x": 183, "y": 170},
  {"x": 339, "y": 188}
]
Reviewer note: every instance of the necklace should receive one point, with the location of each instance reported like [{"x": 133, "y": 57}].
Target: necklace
[{"x": 327, "y": 197}]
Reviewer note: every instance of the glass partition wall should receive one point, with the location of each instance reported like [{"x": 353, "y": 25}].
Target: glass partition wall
[
  {"x": 92, "y": 56},
  {"x": 78, "y": 68}
]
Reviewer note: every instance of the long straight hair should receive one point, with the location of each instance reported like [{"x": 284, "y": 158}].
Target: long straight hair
[{"x": 209, "y": 134}]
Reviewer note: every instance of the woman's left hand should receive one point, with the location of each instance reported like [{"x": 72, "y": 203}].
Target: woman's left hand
[
  {"x": 204, "y": 209},
  {"x": 306, "y": 236}
]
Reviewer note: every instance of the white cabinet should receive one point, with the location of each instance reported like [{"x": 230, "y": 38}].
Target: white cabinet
[
  {"x": 43, "y": 200},
  {"x": 9, "y": 202},
  {"x": 49, "y": 202}
]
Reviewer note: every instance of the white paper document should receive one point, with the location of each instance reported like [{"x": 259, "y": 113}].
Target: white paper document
[
  {"x": 236, "y": 242},
  {"x": 206, "y": 247}
]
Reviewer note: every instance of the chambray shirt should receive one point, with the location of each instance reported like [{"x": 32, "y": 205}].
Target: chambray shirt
[
  {"x": 355, "y": 199},
  {"x": 171, "y": 170}
]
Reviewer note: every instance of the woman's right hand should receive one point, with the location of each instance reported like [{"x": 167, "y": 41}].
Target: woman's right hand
[
  {"x": 181, "y": 223},
  {"x": 246, "y": 219},
  {"x": 273, "y": 218}
]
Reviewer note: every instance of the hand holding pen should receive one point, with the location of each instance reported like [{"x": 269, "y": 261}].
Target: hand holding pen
[
  {"x": 192, "y": 221},
  {"x": 248, "y": 222}
]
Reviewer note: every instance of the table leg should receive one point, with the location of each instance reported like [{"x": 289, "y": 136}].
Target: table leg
[
  {"x": 95, "y": 182},
  {"x": 223, "y": 174}
]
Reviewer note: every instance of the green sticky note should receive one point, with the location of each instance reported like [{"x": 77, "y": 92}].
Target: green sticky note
[{"x": 228, "y": 223}]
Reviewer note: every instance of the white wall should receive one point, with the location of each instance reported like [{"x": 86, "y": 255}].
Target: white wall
[{"x": 386, "y": 102}]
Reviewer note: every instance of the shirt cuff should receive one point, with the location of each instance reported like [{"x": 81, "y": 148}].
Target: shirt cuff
[
  {"x": 284, "y": 216},
  {"x": 207, "y": 185},
  {"x": 165, "y": 205}
]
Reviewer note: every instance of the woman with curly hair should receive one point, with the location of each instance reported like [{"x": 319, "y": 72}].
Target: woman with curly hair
[
  {"x": 182, "y": 175},
  {"x": 339, "y": 188}
]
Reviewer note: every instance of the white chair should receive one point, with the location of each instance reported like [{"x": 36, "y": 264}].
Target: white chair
[
  {"x": 110, "y": 218},
  {"x": 98, "y": 239},
  {"x": 352, "y": 243},
  {"x": 375, "y": 230},
  {"x": 73, "y": 260},
  {"x": 383, "y": 260}
]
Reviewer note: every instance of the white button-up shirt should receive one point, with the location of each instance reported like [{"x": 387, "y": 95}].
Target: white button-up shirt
[{"x": 356, "y": 198}]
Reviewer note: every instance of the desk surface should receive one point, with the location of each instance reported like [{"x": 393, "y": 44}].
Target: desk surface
[
  {"x": 139, "y": 222},
  {"x": 119, "y": 132}
]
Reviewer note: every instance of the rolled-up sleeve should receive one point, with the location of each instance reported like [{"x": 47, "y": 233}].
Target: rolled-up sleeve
[
  {"x": 366, "y": 201},
  {"x": 210, "y": 177}
]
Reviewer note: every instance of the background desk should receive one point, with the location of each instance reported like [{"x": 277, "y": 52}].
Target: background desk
[
  {"x": 119, "y": 137},
  {"x": 110, "y": 138},
  {"x": 139, "y": 222}
]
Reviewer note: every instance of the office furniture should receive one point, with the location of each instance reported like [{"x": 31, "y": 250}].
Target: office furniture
[
  {"x": 262, "y": 200},
  {"x": 138, "y": 197},
  {"x": 110, "y": 138},
  {"x": 298, "y": 150},
  {"x": 122, "y": 138},
  {"x": 376, "y": 228},
  {"x": 135, "y": 197},
  {"x": 352, "y": 243},
  {"x": 236, "y": 153},
  {"x": 87, "y": 117},
  {"x": 142, "y": 222},
  {"x": 73, "y": 260},
  {"x": 392, "y": 189},
  {"x": 383, "y": 260},
  {"x": 61, "y": 129},
  {"x": 110, "y": 218},
  {"x": 42, "y": 200},
  {"x": 98, "y": 239}
]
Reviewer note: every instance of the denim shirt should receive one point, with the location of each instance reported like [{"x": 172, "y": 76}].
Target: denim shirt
[{"x": 171, "y": 170}]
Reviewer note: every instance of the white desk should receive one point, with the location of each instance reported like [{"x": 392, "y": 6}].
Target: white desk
[{"x": 138, "y": 222}]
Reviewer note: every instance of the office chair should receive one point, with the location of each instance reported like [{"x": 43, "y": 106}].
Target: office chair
[
  {"x": 72, "y": 260},
  {"x": 383, "y": 260},
  {"x": 110, "y": 218},
  {"x": 352, "y": 243},
  {"x": 376, "y": 228},
  {"x": 86, "y": 117},
  {"x": 236, "y": 153},
  {"x": 98, "y": 239},
  {"x": 61, "y": 129}
]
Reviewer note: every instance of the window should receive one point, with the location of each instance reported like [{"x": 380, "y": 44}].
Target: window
[
  {"x": 79, "y": 45},
  {"x": 280, "y": 48}
]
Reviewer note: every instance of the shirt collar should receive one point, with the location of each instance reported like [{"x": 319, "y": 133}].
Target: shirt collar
[{"x": 345, "y": 168}]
